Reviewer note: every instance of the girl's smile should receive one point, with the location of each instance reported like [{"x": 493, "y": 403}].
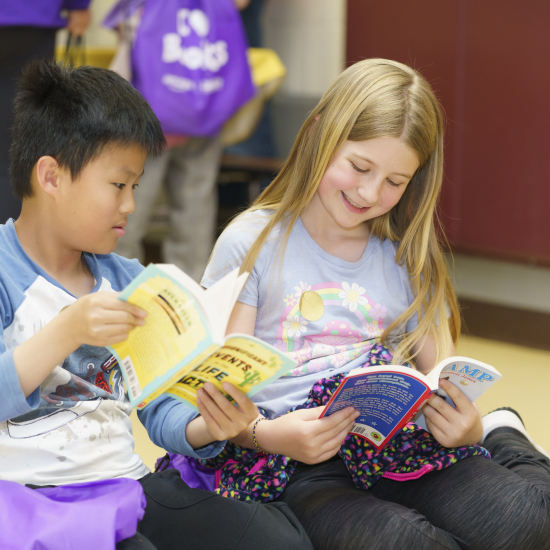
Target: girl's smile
[{"x": 354, "y": 207}]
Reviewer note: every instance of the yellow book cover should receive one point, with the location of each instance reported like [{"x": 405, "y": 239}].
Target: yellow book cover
[{"x": 183, "y": 344}]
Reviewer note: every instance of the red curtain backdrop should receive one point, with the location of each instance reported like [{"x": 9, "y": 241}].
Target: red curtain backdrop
[{"x": 489, "y": 64}]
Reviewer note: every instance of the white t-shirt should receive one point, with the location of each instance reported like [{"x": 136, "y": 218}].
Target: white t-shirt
[{"x": 322, "y": 311}]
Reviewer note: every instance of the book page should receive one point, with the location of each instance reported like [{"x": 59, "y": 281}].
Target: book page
[
  {"x": 221, "y": 298},
  {"x": 174, "y": 333},
  {"x": 244, "y": 361},
  {"x": 387, "y": 398},
  {"x": 469, "y": 375}
]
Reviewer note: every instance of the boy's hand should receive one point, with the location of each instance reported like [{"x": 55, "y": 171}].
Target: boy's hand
[
  {"x": 223, "y": 419},
  {"x": 305, "y": 437},
  {"x": 453, "y": 427},
  {"x": 101, "y": 319}
]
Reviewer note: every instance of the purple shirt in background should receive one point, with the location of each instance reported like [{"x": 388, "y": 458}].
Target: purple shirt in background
[{"x": 38, "y": 13}]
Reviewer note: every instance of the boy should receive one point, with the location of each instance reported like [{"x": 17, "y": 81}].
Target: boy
[{"x": 80, "y": 140}]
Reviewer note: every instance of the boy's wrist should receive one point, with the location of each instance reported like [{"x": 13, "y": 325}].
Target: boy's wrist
[{"x": 69, "y": 321}]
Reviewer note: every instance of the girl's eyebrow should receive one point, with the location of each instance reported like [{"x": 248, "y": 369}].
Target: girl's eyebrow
[{"x": 374, "y": 164}]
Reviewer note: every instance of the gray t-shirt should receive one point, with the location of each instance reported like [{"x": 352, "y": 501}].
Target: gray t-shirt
[{"x": 322, "y": 311}]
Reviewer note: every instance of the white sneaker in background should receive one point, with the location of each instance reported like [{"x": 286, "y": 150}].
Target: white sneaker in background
[{"x": 506, "y": 417}]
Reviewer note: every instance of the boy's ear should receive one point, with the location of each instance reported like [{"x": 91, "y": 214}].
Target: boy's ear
[{"x": 47, "y": 175}]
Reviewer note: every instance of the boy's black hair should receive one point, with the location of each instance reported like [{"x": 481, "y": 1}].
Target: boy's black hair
[{"x": 72, "y": 114}]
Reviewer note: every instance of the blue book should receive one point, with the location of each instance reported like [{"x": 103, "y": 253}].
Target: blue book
[{"x": 389, "y": 396}]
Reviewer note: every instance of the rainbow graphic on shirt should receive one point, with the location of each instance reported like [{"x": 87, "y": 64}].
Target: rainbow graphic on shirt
[{"x": 343, "y": 337}]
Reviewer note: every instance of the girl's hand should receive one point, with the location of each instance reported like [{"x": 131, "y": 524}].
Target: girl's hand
[
  {"x": 453, "y": 427},
  {"x": 305, "y": 437},
  {"x": 222, "y": 419}
]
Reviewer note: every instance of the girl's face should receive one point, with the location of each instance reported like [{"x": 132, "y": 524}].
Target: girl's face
[{"x": 364, "y": 180}]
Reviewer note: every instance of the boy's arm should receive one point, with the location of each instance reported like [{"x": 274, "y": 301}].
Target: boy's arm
[
  {"x": 178, "y": 429},
  {"x": 96, "y": 319},
  {"x": 166, "y": 420},
  {"x": 13, "y": 401}
]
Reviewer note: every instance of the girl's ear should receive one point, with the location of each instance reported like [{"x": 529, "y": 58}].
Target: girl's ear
[{"x": 47, "y": 175}]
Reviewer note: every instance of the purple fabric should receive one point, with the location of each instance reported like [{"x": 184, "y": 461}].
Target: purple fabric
[
  {"x": 196, "y": 475},
  {"x": 87, "y": 516},
  {"x": 37, "y": 13},
  {"x": 189, "y": 62}
]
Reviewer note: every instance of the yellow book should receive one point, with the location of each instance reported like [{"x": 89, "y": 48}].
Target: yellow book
[{"x": 183, "y": 344}]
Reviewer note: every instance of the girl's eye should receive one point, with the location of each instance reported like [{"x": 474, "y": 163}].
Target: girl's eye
[
  {"x": 393, "y": 183},
  {"x": 119, "y": 185},
  {"x": 359, "y": 169},
  {"x": 135, "y": 186}
]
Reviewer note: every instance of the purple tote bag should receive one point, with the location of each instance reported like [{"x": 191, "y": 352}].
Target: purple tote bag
[{"x": 189, "y": 62}]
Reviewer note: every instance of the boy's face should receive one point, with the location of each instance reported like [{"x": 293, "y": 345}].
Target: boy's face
[{"x": 92, "y": 211}]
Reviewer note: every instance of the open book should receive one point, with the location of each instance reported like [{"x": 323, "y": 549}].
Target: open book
[
  {"x": 389, "y": 396},
  {"x": 183, "y": 345}
]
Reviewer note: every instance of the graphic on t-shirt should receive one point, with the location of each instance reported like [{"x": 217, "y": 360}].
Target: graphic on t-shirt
[
  {"x": 328, "y": 325},
  {"x": 70, "y": 391}
]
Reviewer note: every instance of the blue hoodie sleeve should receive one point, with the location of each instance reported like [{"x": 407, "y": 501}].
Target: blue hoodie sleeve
[
  {"x": 12, "y": 399},
  {"x": 165, "y": 420}
]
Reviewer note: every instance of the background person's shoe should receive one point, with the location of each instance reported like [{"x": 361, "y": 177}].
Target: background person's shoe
[{"x": 506, "y": 417}]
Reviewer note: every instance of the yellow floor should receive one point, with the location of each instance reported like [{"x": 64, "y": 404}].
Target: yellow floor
[{"x": 525, "y": 386}]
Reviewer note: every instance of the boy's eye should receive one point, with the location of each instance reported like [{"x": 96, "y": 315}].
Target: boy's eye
[
  {"x": 120, "y": 185},
  {"x": 135, "y": 186}
]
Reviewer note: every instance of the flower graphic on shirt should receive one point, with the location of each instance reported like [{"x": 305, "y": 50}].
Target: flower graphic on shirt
[
  {"x": 373, "y": 330},
  {"x": 295, "y": 325},
  {"x": 352, "y": 296},
  {"x": 289, "y": 300},
  {"x": 378, "y": 312},
  {"x": 340, "y": 359},
  {"x": 280, "y": 345},
  {"x": 301, "y": 289}
]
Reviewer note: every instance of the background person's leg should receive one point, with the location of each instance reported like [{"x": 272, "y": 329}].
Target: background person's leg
[
  {"x": 145, "y": 196},
  {"x": 177, "y": 516},
  {"x": 193, "y": 204},
  {"x": 18, "y": 45},
  {"x": 338, "y": 516}
]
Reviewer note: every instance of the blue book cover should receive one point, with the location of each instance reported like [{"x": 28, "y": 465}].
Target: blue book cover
[{"x": 389, "y": 396}]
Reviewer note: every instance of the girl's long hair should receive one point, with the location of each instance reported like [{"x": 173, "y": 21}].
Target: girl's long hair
[{"x": 378, "y": 98}]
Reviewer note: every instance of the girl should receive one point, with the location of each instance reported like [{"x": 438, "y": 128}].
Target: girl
[{"x": 345, "y": 265}]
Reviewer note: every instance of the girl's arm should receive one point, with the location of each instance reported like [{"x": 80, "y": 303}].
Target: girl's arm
[
  {"x": 427, "y": 354},
  {"x": 452, "y": 427},
  {"x": 301, "y": 435}
]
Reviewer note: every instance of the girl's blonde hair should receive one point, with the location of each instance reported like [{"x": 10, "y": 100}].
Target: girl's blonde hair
[{"x": 378, "y": 98}]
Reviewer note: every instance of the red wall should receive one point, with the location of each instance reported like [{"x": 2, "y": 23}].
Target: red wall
[{"x": 489, "y": 64}]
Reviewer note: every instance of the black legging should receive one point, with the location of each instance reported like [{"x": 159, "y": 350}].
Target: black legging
[
  {"x": 18, "y": 45},
  {"x": 478, "y": 504}
]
